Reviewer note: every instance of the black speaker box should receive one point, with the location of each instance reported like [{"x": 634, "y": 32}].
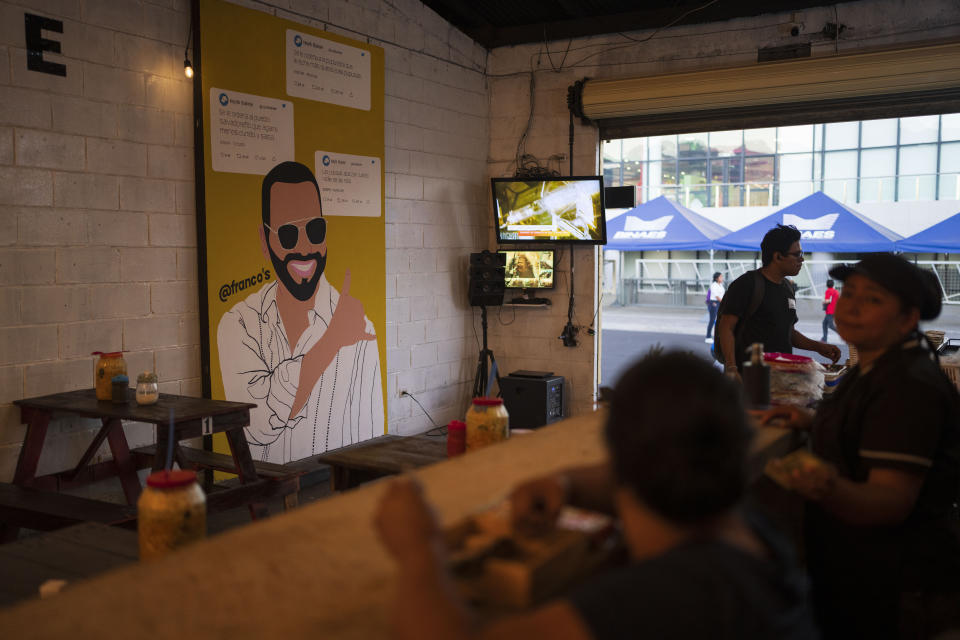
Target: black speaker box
[
  {"x": 620, "y": 197},
  {"x": 532, "y": 398},
  {"x": 487, "y": 278}
]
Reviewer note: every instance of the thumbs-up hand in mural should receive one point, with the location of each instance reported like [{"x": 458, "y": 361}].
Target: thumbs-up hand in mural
[{"x": 347, "y": 327}]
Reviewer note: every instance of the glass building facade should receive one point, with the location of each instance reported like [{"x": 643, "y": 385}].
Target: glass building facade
[{"x": 891, "y": 160}]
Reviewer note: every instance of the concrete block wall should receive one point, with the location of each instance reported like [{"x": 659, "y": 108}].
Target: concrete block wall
[
  {"x": 97, "y": 218},
  {"x": 98, "y": 242},
  {"x": 436, "y": 142},
  {"x": 530, "y": 342}
]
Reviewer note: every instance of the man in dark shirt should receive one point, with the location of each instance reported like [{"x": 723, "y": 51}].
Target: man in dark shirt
[
  {"x": 700, "y": 568},
  {"x": 772, "y": 321}
]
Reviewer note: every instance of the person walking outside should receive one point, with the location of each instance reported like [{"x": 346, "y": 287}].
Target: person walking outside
[
  {"x": 829, "y": 307},
  {"x": 714, "y": 296}
]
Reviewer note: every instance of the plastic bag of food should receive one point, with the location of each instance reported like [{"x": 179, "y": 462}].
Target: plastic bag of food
[{"x": 794, "y": 380}]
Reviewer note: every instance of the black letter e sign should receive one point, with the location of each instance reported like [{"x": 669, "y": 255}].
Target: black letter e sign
[{"x": 37, "y": 44}]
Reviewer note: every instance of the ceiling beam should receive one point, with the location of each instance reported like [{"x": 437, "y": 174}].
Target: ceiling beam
[{"x": 492, "y": 37}]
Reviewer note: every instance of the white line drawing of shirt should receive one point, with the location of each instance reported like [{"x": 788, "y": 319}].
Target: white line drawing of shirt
[{"x": 257, "y": 364}]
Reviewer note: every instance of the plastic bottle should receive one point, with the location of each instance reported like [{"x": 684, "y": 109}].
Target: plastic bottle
[
  {"x": 456, "y": 438},
  {"x": 756, "y": 379}
]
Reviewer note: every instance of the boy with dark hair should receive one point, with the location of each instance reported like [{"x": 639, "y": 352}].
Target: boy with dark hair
[
  {"x": 678, "y": 440},
  {"x": 760, "y": 306}
]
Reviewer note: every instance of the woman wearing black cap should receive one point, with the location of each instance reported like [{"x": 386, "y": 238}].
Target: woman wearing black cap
[{"x": 881, "y": 528}]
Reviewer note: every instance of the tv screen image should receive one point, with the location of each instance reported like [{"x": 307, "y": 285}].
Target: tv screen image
[
  {"x": 529, "y": 269},
  {"x": 549, "y": 210}
]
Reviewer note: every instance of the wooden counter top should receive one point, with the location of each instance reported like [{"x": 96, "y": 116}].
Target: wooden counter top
[{"x": 317, "y": 571}]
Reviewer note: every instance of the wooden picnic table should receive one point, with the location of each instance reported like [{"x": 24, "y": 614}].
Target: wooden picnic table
[
  {"x": 381, "y": 456},
  {"x": 192, "y": 418},
  {"x": 316, "y": 571},
  {"x": 72, "y": 554}
]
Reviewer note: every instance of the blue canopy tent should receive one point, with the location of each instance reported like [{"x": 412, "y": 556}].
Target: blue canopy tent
[
  {"x": 943, "y": 237},
  {"x": 824, "y": 224},
  {"x": 662, "y": 224}
]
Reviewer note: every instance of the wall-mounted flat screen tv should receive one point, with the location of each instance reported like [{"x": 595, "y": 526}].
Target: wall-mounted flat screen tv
[
  {"x": 529, "y": 269},
  {"x": 566, "y": 210}
]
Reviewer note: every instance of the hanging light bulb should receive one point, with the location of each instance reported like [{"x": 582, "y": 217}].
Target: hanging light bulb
[{"x": 187, "y": 68}]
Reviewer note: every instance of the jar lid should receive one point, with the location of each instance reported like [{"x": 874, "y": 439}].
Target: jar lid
[
  {"x": 108, "y": 354},
  {"x": 456, "y": 425},
  {"x": 167, "y": 479},
  {"x": 118, "y": 379},
  {"x": 487, "y": 402}
]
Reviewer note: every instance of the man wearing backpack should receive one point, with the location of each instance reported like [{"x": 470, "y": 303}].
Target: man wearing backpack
[{"x": 760, "y": 306}]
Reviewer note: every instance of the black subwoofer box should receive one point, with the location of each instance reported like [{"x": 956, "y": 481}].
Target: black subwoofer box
[{"x": 532, "y": 398}]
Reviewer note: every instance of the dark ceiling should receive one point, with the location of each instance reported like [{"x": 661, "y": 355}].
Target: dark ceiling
[{"x": 496, "y": 23}]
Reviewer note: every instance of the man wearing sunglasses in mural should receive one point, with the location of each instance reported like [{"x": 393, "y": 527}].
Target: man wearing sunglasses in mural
[{"x": 304, "y": 352}]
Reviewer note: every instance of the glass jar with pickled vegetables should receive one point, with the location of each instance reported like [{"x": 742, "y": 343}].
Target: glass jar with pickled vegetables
[
  {"x": 148, "y": 392},
  {"x": 108, "y": 365},
  {"x": 487, "y": 422},
  {"x": 171, "y": 513}
]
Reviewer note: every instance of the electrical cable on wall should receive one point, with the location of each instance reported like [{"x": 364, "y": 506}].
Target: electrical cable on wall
[{"x": 435, "y": 425}]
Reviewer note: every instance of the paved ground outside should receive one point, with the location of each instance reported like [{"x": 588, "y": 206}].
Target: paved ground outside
[{"x": 629, "y": 332}]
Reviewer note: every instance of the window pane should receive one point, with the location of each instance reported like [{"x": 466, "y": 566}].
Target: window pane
[
  {"x": 611, "y": 150},
  {"x": 758, "y": 169},
  {"x": 950, "y": 126},
  {"x": 795, "y": 183},
  {"x": 877, "y": 189},
  {"x": 718, "y": 170},
  {"x": 918, "y": 159},
  {"x": 878, "y": 163},
  {"x": 918, "y": 129},
  {"x": 879, "y": 133},
  {"x": 842, "y": 135},
  {"x": 611, "y": 174},
  {"x": 950, "y": 186},
  {"x": 793, "y": 139},
  {"x": 668, "y": 173},
  {"x": 950, "y": 158},
  {"x": 790, "y": 192},
  {"x": 840, "y": 164},
  {"x": 663, "y": 147},
  {"x": 878, "y": 168},
  {"x": 796, "y": 166},
  {"x": 760, "y": 140},
  {"x": 635, "y": 149},
  {"x": 839, "y": 173},
  {"x": 726, "y": 143},
  {"x": 692, "y": 145},
  {"x": 916, "y": 187},
  {"x": 693, "y": 172},
  {"x": 632, "y": 173},
  {"x": 654, "y": 175}
]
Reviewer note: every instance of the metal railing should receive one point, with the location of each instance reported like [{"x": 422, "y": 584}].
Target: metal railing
[{"x": 688, "y": 279}]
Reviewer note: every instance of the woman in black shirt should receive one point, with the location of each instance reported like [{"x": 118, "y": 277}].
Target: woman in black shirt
[{"x": 881, "y": 530}]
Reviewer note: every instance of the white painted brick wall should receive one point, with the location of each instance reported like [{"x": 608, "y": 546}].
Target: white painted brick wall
[{"x": 93, "y": 175}]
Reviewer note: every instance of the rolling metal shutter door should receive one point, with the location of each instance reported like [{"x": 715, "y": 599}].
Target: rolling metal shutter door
[{"x": 878, "y": 84}]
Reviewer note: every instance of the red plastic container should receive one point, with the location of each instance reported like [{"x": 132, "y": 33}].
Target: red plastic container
[{"x": 456, "y": 438}]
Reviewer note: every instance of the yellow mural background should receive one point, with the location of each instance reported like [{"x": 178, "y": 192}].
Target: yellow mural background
[{"x": 244, "y": 50}]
